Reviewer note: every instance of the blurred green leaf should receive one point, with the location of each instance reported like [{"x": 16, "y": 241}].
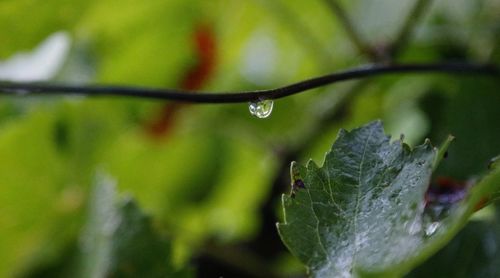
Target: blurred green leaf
[
  {"x": 469, "y": 112},
  {"x": 25, "y": 23},
  {"x": 119, "y": 240},
  {"x": 48, "y": 155},
  {"x": 116, "y": 32},
  {"x": 362, "y": 212},
  {"x": 34, "y": 198},
  {"x": 201, "y": 184}
]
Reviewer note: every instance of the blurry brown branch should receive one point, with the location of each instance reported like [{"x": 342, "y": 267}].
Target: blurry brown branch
[
  {"x": 27, "y": 88},
  {"x": 351, "y": 30},
  {"x": 407, "y": 29},
  {"x": 301, "y": 32}
]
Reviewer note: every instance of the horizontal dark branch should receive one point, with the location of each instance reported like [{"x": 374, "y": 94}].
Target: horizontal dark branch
[{"x": 37, "y": 88}]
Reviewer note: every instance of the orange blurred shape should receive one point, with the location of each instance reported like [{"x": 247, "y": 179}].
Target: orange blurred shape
[{"x": 194, "y": 79}]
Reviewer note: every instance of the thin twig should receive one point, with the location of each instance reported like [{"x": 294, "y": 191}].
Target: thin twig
[
  {"x": 408, "y": 27},
  {"x": 302, "y": 33},
  {"x": 23, "y": 88},
  {"x": 351, "y": 30}
]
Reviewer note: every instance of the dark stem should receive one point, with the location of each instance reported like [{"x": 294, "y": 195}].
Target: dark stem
[
  {"x": 408, "y": 27},
  {"x": 22, "y": 88},
  {"x": 351, "y": 30}
]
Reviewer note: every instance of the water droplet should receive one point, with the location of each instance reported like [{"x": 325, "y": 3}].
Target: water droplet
[
  {"x": 414, "y": 227},
  {"x": 261, "y": 108},
  {"x": 432, "y": 228}
]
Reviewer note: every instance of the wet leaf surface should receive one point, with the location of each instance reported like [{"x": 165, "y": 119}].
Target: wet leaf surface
[{"x": 362, "y": 212}]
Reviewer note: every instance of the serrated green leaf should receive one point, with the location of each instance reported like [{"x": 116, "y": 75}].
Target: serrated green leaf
[{"x": 362, "y": 213}]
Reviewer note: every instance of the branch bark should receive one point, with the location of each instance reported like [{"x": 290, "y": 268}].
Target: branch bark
[{"x": 23, "y": 88}]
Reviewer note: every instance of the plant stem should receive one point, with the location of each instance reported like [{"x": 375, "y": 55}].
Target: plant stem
[{"x": 27, "y": 88}]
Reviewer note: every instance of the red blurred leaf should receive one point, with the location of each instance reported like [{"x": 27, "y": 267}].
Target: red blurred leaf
[
  {"x": 445, "y": 192},
  {"x": 194, "y": 79}
]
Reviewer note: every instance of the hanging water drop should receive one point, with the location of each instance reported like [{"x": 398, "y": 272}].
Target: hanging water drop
[
  {"x": 261, "y": 108},
  {"x": 432, "y": 228}
]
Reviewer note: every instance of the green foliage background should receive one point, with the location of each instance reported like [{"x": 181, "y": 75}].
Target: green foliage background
[{"x": 207, "y": 179}]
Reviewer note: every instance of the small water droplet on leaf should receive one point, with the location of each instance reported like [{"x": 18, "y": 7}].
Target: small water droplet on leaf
[
  {"x": 431, "y": 228},
  {"x": 415, "y": 226},
  {"x": 261, "y": 108}
]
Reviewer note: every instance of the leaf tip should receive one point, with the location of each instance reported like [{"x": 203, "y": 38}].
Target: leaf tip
[
  {"x": 311, "y": 164},
  {"x": 442, "y": 151},
  {"x": 493, "y": 163},
  {"x": 427, "y": 142}
]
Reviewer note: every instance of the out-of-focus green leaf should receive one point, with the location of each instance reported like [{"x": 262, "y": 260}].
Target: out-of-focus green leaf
[
  {"x": 33, "y": 197},
  {"x": 25, "y": 23},
  {"x": 361, "y": 214},
  {"x": 140, "y": 42},
  {"x": 119, "y": 240},
  {"x": 377, "y": 28},
  {"x": 470, "y": 113},
  {"x": 116, "y": 32},
  {"x": 48, "y": 153},
  {"x": 199, "y": 183}
]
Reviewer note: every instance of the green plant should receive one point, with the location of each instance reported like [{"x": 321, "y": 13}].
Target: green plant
[{"x": 205, "y": 181}]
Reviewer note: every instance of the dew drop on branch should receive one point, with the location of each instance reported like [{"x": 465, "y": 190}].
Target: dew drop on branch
[{"x": 261, "y": 108}]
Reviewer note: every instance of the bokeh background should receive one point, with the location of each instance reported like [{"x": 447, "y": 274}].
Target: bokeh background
[{"x": 211, "y": 176}]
